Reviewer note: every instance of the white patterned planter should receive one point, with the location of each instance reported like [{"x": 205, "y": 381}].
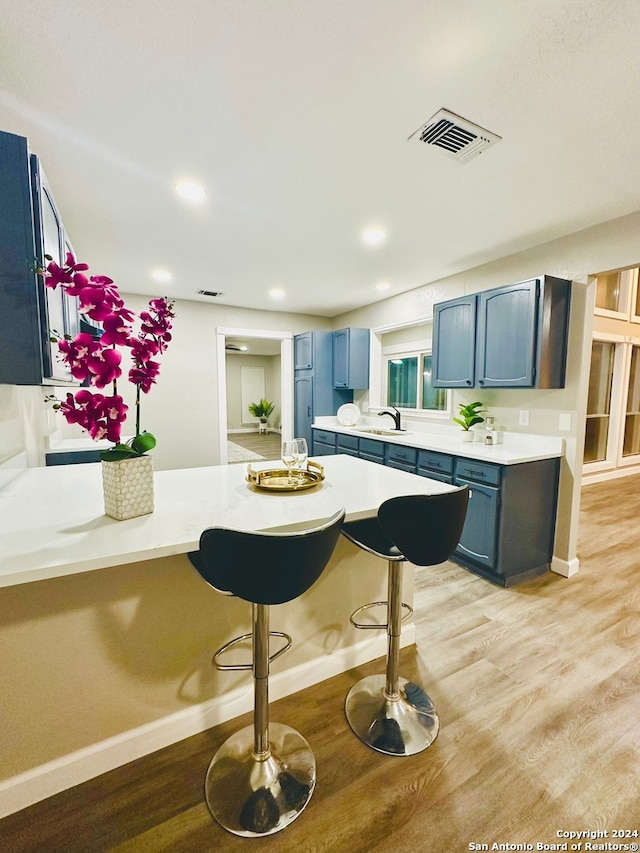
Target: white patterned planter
[{"x": 128, "y": 487}]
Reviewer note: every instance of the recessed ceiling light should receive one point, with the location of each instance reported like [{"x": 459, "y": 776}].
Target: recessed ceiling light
[
  {"x": 161, "y": 275},
  {"x": 373, "y": 236},
  {"x": 190, "y": 191},
  {"x": 382, "y": 285},
  {"x": 276, "y": 293}
]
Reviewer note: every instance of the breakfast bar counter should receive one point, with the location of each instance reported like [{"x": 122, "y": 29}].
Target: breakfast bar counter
[
  {"x": 107, "y": 630},
  {"x": 52, "y": 521}
]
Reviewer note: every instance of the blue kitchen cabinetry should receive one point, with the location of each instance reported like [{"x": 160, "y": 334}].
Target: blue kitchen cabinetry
[
  {"x": 314, "y": 394},
  {"x": 30, "y": 228},
  {"x": 351, "y": 358},
  {"x": 437, "y": 466},
  {"x": 398, "y": 456},
  {"x": 347, "y": 444},
  {"x": 507, "y": 337},
  {"x": 371, "y": 450},
  {"x": 454, "y": 343},
  {"x": 509, "y": 531},
  {"x": 324, "y": 442}
]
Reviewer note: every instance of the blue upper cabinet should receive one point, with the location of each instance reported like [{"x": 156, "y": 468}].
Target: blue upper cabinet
[
  {"x": 303, "y": 351},
  {"x": 454, "y": 333},
  {"x": 522, "y": 334},
  {"x": 30, "y": 227},
  {"x": 314, "y": 394},
  {"x": 351, "y": 358},
  {"x": 515, "y": 338}
]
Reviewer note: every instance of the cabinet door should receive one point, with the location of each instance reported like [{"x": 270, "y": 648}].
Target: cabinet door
[
  {"x": 341, "y": 359},
  {"x": 505, "y": 356},
  {"x": 454, "y": 333},
  {"x": 303, "y": 406},
  {"x": 303, "y": 351},
  {"x": 479, "y": 535},
  {"x": 351, "y": 358}
]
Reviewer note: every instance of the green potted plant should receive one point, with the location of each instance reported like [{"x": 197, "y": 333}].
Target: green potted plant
[
  {"x": 469, "y": 417},
  {"x": 262, "y": 409}
]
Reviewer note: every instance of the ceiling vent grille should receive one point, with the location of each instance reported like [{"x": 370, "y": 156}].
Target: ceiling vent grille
[
  {"x": 456, "y": 136},
  {"x": 209, "y": 292}
]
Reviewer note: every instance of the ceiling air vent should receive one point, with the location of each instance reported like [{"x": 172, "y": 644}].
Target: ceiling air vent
[
  {"x": 456, "y": 136},
  {"x": 209, "y": 292}
]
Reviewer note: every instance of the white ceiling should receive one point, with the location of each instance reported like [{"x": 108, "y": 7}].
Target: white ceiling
[{"x": 295, "y": 115}]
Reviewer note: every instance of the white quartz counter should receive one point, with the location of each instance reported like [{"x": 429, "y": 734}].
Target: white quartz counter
[
  {"x": 513, "y": 449},
  {"x": 52, "y": 521}
]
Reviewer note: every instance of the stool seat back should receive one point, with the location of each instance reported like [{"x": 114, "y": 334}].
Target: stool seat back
[
  {"x": 266, "y": 568},
  {"x": 425, "y": 528}
]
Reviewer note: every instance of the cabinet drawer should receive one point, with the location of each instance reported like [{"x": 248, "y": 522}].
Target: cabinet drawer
[
  {"x": 320, "y": 449},
  {"x": 324, "y": 437},
  {"x": 347, "y": 442},
  {"x": 371, "y": 447},
  {"x": 398, "y": 453},
  {"x": 442, "y": 477},
  {"x": 481, "y": 472},
  {"x": 370, "y": 457},
  {"x": 435, "y": 461},
  {"x": 402, "y": 466}
]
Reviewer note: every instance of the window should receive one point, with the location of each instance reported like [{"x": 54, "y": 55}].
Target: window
[
  {"x": 409, "y": 384},
  {"x": 599, "y": 401}
]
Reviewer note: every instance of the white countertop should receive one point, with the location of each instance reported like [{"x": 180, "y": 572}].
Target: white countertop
[
  {"x": 512, "y": 450},
  {"x": 52, "y": 520}
]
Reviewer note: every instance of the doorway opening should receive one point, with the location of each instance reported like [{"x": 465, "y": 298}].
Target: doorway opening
[{"x": 252, "y": 372}]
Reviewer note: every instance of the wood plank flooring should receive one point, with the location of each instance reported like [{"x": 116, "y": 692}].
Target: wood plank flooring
[
  {"x": 266, "y": 445},
  {"x": 538, "y": 691}
]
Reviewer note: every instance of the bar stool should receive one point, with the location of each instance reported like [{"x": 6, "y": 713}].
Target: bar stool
[
  {"x": 263, "y": 776},
  {"x": 389, "y": 713}
]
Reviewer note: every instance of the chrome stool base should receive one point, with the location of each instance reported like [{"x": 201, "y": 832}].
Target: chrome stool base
[
  {"x": 251, "y": 796},
  {"x": 401, "y": 725}
]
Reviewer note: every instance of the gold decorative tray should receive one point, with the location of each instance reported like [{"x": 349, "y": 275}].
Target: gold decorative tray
[{"x": 278, "y": 479}]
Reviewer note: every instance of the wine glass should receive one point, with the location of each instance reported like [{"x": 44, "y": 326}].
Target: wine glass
[
  {"x": 289, "y": 457},
  {"x": 301, "y": 456}
]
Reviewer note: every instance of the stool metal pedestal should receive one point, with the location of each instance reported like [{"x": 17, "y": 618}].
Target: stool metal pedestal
[
  {"x": 263, "y": 776},
  {"x": 389, "y": 713}
]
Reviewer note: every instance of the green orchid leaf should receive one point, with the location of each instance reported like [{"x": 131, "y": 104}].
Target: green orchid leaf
[
  {"x": 119, "y": 451},
  {"x": 143, "y": 442}
]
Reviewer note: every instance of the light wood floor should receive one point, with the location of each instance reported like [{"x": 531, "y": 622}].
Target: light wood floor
[
  {"x": 538, "y": 691},
  {"x": 268, "y": 445}
]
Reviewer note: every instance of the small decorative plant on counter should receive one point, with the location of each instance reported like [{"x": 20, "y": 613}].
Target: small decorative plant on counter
[
  {"x": 469, "y": 415},
  {"x": 96, "y": 360}
]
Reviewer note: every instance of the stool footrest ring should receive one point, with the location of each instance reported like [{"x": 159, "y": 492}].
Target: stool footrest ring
[
  {"x": 243, "y": 639},
  {"x": 378, "y": 625}
]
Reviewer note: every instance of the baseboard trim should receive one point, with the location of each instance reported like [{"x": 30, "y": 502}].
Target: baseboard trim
[
  {"x": 566, "y": 568},
  {"x": 609, "y": 474},
  {"x": 25, "y": 789}
]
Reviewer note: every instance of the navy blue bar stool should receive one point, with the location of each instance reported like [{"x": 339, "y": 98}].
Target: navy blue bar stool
[
  {"x": 263, "y": 776},
  {"x": 389, "y": 713}
]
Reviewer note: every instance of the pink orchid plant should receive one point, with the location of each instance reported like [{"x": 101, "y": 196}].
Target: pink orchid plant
[{"x": 98, "y": 361}]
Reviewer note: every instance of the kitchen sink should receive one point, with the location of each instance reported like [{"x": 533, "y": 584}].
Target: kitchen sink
[{"x": 376, "y": 431}]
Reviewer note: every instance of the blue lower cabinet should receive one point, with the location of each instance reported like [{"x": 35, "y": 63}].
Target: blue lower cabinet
[
  {"x": 509, "y": 533},
  {"x": 404, "y": 458},
  {"x": 479, "y": 535},
  {"x": 371, "y": 449},
  {"x": 435, "y": 475},
  {"x": 347, "y": 444},
  {"x": 323, "y": 443}
]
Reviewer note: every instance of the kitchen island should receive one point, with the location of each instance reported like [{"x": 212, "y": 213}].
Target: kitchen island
[{"x": 107, "y": 631}]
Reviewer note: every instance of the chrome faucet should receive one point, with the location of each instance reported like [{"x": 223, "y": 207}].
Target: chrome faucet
[{"x": 395, "y": 415}]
